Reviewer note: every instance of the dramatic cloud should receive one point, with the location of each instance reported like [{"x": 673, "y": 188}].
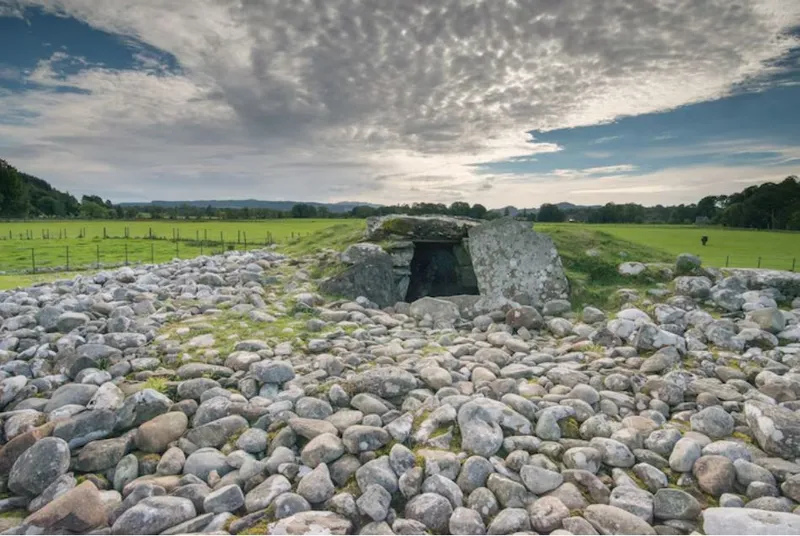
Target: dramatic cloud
[{"x": 382, "y": 101}]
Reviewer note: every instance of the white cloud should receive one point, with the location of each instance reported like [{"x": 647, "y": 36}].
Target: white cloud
[
  {"x": 382, "y": 101},
  {"x": 604, "y": 139}
]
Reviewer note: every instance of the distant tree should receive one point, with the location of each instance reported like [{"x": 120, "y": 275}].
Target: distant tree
[
  {"x": 304, "y": 210},
  {"x": 794, "y": 221},
  {"x": 550, "y": 213},
  {"x": 94, "y": 211},
  {"x": 363, "y": 211},
  {"x": 13, "y": 193},
  {"x": 478, "y": 211},
  {"x": 459, "y": 208}
]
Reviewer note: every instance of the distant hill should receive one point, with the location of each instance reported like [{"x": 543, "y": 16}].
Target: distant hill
[
  {"x": 338, "y": 208},
  {"x": 514, "y": 211}
]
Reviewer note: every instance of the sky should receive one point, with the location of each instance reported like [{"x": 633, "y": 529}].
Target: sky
[{"x": 499, "y": 102}]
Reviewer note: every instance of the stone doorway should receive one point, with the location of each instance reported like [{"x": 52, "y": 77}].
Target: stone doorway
[{"x": 440, "y": 269}]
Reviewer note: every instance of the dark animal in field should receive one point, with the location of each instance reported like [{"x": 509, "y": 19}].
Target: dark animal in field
[{"x": 704, "y": 240}]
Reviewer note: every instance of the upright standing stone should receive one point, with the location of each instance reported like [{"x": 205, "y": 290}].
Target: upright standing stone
[{"x": 513, "y": 262}]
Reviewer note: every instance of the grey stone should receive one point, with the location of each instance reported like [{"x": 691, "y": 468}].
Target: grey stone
[
  {"x": 85, "y": 427},
  {"x": 634, "y": 500},
  {"x": 265, "y": 493},
  {"x": 289, "y": 504},
  {"x": 171, "y": 462},
  {"x": 547, "y": 513},
  {"x": 377, "y": 471},
  {"x": 612, "y": 520},
  {"x": 202, "y": 462},
  {"x": 386, "y": 382},
  {"x": 58, "y": 487},
  {"x": 140, "y": 407},
  {"x": 253, "y": 440},
  {"x": 225, "y": 499},
  {"x": 684, "y": 455},
  {"x": 316, "y": 487},
  {"x": 466, "y": 521},
  {"x": 539, "y": 480},
  {"x": 713, "y": 421},
  {"x": 216, "y": 433},
  {"x": 510, "y": 521},
  {"x": 615, "y": 454},
  {"x": 510, "y": 259},
  {"x": 374, "y": 502},
  {"x": 444, "y": 487},
  {"x": 359, "y": 438},
  {"x": 748, "y": 521},
  {"x": 68, "y": 394},
  {"x": 776, "y": 429},
  {"x": 325, "y": 448},
  {"x": 473, "y": 474},
  {"x": 442, "y": 312},
  {"x": 39, "y": 466},
  {"x": 278, "y": 372},
  {"x": 373, "y": 278},
  {"x": 154, "y": 515},
  {"x": 311, "y": 522},
  {"x": 675, "y": 504},
  {"x": 431, "y": 510}
]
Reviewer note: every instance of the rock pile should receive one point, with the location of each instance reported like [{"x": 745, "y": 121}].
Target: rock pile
[{"x": 225, "y": 395}]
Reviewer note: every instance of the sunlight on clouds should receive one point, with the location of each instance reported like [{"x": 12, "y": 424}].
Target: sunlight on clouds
[{"x": 374, "y": 101}]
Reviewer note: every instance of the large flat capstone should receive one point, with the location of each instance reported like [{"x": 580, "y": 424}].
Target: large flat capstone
[
  {"x": 512, "y": 262},
  {"x": 435, "y": 228}
]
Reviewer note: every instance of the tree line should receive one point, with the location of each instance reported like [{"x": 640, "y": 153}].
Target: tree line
[{"x": 765, "y": 206}]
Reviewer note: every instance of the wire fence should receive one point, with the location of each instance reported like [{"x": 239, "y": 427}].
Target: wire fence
[
  {"x": 751, "y": 261},
  {"x": 76, "y": 254},
  {"x": 197, "y": 235}
]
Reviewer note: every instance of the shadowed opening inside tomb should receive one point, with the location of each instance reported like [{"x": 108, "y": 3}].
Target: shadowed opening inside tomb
[{"x": 440, "y": 269}]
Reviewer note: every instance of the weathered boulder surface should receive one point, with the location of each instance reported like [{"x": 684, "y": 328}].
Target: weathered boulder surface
[
  {"x": 371, "y": 278},
  {"x": 443, "y": 228},
  {"x": 512, "y": 262}
]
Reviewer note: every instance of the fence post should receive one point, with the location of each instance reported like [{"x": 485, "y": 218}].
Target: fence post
[
  {"x": 221, "y": 240},
  {"x": 727, "y": 259},
  {"x": 238, "y": 237},
  {"x": 33, "y": 259},
  {"x": 759, "y": 262},
  {"x": 98, "y": 256},
  {"x": 126, "y": 254},
  {"x": 105, "y": 233},
  {"x": 67, "y": 258}
]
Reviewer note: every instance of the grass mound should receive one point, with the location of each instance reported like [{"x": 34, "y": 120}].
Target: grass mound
[
  {"x": 336, "y": 237},
  {"x": 594, "y": 277}
]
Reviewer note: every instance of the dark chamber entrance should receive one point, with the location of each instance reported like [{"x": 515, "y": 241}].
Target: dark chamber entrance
[{"x": 440, "y": 269}]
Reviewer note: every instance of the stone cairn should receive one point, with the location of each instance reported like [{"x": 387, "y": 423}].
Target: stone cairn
[{"x": 227, "y": 395}]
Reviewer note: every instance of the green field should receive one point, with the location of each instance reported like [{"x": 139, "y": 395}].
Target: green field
[
  {"x": 726, "y": 247},
  {"x": 48, "y": 245}
]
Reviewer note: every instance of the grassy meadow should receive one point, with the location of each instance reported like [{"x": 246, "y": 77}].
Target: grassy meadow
[
  {"x": 48, "y": 245},
  {"x": 738, "y": 248}
]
